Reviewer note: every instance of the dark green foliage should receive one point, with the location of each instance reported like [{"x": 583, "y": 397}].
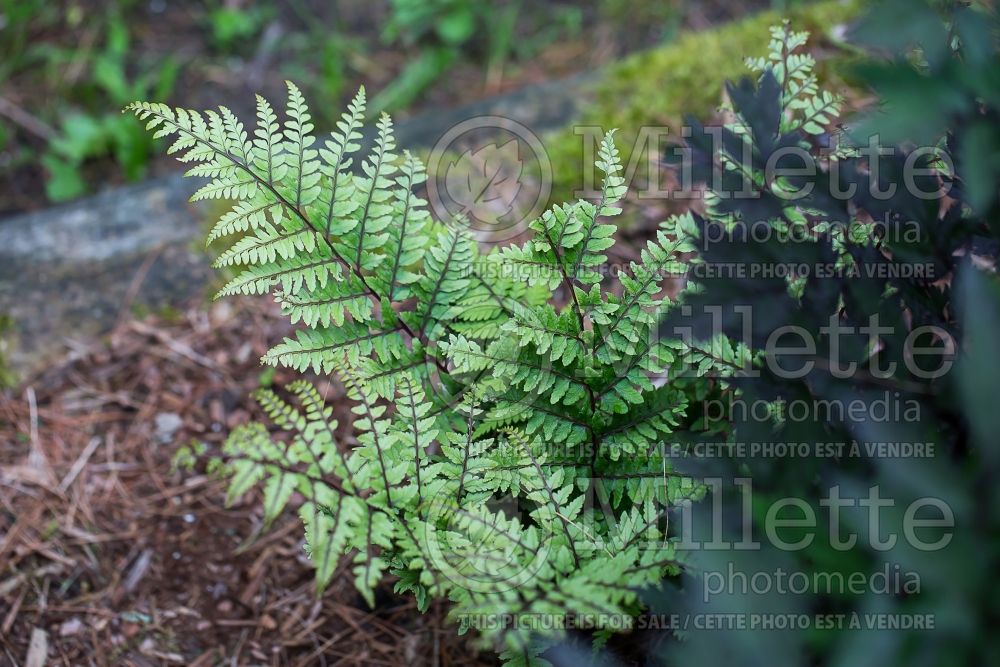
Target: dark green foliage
[{"x": 943, "y": 95}]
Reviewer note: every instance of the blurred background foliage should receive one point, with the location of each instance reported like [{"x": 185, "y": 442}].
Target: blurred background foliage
[{"x": 68, "y": 66}]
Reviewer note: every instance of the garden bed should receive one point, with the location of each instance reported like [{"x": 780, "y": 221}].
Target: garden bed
[
  {"x": 122, "y": 560},
  {"x": 118, "y": 558}
]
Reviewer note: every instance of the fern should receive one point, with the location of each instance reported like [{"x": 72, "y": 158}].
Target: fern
[
  {"x": 806, "y": 107},
  {"x": 502, "y": 401}
]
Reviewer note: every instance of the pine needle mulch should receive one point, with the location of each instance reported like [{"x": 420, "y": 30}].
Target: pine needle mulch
[{"x": 110, "y": 556}]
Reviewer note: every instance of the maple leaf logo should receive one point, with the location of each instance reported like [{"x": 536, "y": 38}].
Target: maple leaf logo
[{"x": 486, "y": 182}]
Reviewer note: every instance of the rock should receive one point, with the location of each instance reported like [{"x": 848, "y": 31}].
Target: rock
[
  {"x": 165, "y": 424},
  {"x": 73, "y": 271}
]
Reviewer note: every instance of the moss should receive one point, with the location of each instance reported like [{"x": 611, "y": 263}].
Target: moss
[
  {"x": 659, "y": 87},
  {"x": 7, "y": 377},
  {"x": 653, "y": 88}
]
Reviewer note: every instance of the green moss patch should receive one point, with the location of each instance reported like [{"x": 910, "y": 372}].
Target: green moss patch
[{"x": 660, "y": 87}]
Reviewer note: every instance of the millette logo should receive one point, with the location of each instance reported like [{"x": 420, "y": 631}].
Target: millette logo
[{"x": 491, "y": 174}]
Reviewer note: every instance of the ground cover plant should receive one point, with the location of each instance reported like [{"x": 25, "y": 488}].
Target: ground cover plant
[{"x": 504, "y": 452}]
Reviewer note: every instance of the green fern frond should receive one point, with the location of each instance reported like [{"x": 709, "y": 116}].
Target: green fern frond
[{"x": 491, "y": 393}]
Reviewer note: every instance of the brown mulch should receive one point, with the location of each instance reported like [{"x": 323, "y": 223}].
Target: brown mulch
[{"x": 110, "y": 556}]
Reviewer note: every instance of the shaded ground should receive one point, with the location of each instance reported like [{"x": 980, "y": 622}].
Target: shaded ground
[{"x": 121, "y": 560}]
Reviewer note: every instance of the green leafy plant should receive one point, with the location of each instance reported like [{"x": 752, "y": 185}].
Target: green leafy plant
[
  {"x": 8, "y": 379},
  {"x": 453, "y": 22},
  {"x": 442, "y": 28},
  {"x": 231, "y": 26},
  {"x": 503, "y": 449},
  {"x": 446, "y": 30},
  {"x": 83, "y": 136},
  {"x": 16, "y": 18}
]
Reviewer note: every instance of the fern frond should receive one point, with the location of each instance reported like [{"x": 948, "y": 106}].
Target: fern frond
[
  {"x": 407, "y": 240},
  {"x": 486, "y": 414}
]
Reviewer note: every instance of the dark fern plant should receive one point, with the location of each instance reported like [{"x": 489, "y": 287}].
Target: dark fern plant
[
  {"x": 895, "y": 279},
  {"x": 508, "y": 404}
]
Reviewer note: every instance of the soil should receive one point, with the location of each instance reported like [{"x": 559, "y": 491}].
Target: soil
[{"x": 120, "y": 559}]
